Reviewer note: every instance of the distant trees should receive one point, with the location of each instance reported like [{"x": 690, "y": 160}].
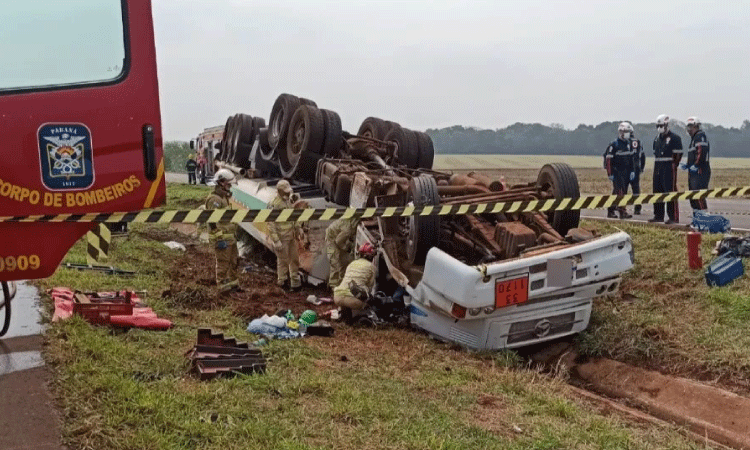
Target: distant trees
[
  {"x": 538, "y": 139},
  {"x": 176, "y": 155}
]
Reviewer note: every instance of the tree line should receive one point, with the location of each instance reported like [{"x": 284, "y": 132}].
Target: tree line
[{"x": 538, "y": 139}]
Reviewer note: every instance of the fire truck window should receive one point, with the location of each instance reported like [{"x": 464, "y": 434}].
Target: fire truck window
[{"x": 60, "y": 42}]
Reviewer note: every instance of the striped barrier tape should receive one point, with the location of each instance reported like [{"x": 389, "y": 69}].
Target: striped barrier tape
[
  {"x": 310, "y": 214},
  {"x": 97, "y": 241}
]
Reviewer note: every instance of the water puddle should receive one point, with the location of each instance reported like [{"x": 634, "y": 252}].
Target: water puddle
[
  {"x": 17, "y": 361},
  {"x": 25, "y": 317}
]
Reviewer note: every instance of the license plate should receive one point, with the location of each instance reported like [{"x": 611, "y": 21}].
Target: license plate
[{"x": 512, "y": 291}]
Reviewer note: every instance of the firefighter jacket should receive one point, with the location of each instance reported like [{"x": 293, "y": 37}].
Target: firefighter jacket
[
  {"x": 341, "y": 233},
  {"x": 281, "y": 231},
  {"x": 698, "y": 151},
  {"x": 619, "y": 157},
  {"x": 667, "y": 148},
  {"x": 219, "y": 199},
  {"x": 191, "y": 165},
  {"x": 362, "y": 272}
]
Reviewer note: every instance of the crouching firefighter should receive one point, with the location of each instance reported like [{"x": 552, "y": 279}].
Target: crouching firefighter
[
  {"x": 359, "y": 273},
  {"x": 284, "y": 238},
  {"x": 223, "y": 234},
  {"x": 620, "y": 167}
]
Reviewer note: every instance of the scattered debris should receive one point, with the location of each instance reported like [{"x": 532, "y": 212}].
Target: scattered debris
[
  {"x": 121, "y": 309},
  {"x": 320, "y": 328},
  {"x": 724, "y": 269},
  {"x": 738, "y": 246},
  {"x": 216, "y": 355},
  {"x": 275, "y": 327},
  {"x": 174, "y": 245},
  {"x": 109, "y": 270},
  {"x": 709, "y": 223}
]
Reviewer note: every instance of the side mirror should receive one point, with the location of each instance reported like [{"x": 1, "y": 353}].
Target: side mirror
[
  {"x": 217, "y": 145},
  {"x": 192, "y": 144}
]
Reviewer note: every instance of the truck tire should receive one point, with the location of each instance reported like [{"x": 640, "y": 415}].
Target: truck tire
[
  {"x": 228, "y": 142},
  {"x": 304, "y": 143},
  {"x": 225, "y": 137},
  {"x": 333, "y": 137},
  {"x": 426, "y": 150},
  {"x": 424, "y": 232},
  {"x": 245, "y": 135},
  {"x": 373, "y": 128},
  {"x": 305, "y": 101},
  {"x": 389, "y": 126},
  {"x": 560, "y": 179},
  {"x": 343, "y": 190},
  {"x": 281, "y": 114},
  {"x": 265, "y": 147},
  {"x": 407, "y": 151},
  {"x": 265, "y": 168}
]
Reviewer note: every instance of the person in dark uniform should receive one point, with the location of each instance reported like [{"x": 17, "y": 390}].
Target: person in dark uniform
[
  {"x": 698, "y": 167},
  {"x": 639, "y": 163},
  {"x": 620, "y": 169},
  {"x": 667, "y": 155},
  {"x": 191, "y": 166}
]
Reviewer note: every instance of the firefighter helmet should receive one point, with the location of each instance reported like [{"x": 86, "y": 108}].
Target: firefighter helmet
[
  {"x": 284, "y": 188},
  {"x": 693, "y": 122},
  {"x": 366, "y": 249},
  {"x": 223, "y": 175}
]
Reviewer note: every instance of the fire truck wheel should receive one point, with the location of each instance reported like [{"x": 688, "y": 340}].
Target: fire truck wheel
[
  {"x": 306, "y": 134},
  {"x": 424, "y": 232},
  {"x": 306, "y": 101},
  {"x": 281, "y": 114},
  {"x": 342, "y": 191},
  {"x": 373, "y": 127},
  {"x": 426, "y": 150},
  {"x": 407, "y": 151},
  {"x": 560, "y": 180},
  {"x": 333, "y": 139}
]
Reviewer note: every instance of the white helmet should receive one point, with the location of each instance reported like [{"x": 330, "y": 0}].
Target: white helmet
[
  {"x": 223, "y": 175},
  {"x": 625, "y": 130},
  {"x": 284, "y": 188},
  {"x": 662, "y": 123},
  {"x": 693, "y": 122}
]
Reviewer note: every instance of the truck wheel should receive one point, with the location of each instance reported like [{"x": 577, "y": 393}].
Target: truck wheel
[
  {"x": 560, "y": 180},
  {"x": 333, "y": 138},
  {"x": 305, "y": 101},
  {"x": 407, "y": 151},
  {"x": 265, "y": 167},
  {"x": 389, "y": 126},
  {"x": 228, "y": 141},
  {"x": 245, "y": 134},
  {"x": 281, "y": 114},
  {"x": 304, "y": 143},
  {"x": 424, "y": 232},
  {"x": 426, "y": 150},
  {"x": 342, "y": 191},
  {"x": 225, "y": 137},
  {"x": 265, "y": 147},
  {"x": 373, "y": 128}
]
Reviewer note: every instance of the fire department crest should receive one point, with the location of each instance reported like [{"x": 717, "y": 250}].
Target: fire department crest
[{"x": 66, "y": 156}]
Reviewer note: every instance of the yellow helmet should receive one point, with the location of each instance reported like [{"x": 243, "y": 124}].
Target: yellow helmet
[{"x": 190, "y": 156}]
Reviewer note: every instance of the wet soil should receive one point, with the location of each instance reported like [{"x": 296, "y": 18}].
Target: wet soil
[{"x": 192, "y": 285}]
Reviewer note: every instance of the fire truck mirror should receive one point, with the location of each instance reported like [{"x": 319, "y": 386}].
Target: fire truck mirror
[{"x": 192, "y": 144}]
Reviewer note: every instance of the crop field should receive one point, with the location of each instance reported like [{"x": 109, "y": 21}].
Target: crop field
[{"x": 499, "y": 162}]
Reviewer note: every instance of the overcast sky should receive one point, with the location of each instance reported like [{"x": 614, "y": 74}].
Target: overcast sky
[{"x": 430, "y": 64}]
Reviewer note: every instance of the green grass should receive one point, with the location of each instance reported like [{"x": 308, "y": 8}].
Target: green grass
[
  {"x": 677, "y": 324},
  {"x": 396, "y": 389}
]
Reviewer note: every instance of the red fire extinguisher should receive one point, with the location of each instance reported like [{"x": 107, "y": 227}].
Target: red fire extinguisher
[{"x": 694, "y": 250}]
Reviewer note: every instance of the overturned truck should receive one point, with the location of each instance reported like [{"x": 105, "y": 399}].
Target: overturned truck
[{"x": 485, "y": 281}]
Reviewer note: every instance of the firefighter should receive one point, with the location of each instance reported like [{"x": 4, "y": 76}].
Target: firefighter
[
  {"x": 639, "y": 162},
  {"x": 361, "y": 271},
  {"x": 620, "y": 167},
  {"x": 191, "y": 166},
  {"x": 284, "y": 238},
  {"x": 667, "y": 155},
  {"x": 339, "y": 247},
  {"x": 698, "y": 167},
  {"x": 223, "y": 235}
]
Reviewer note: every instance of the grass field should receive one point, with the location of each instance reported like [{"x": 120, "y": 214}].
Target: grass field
[
  {"x": 503, "y": 162},
  {"x": 371, "y": 389}
]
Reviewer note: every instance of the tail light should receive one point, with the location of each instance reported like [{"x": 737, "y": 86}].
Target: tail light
[{"x": 458, "y": 311}]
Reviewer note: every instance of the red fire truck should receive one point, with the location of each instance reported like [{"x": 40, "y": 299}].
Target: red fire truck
[{"x": 81, "y": 126}]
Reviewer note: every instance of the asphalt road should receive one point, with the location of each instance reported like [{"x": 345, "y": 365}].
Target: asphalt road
[{"x": 737, "y": 210}]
